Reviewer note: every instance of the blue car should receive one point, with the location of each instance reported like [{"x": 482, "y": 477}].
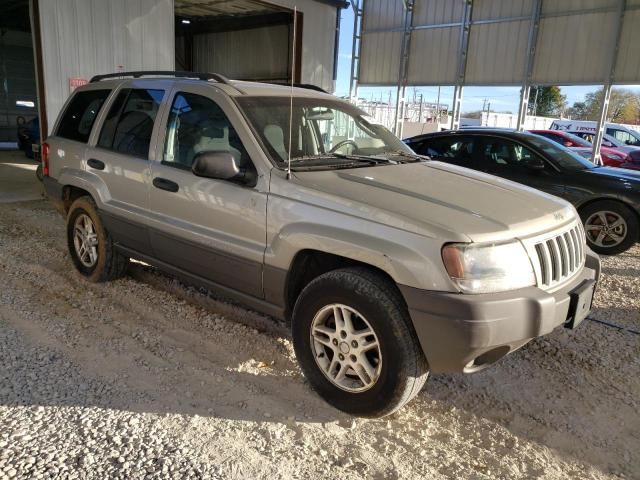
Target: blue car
[{"x": 28, "y": 135}]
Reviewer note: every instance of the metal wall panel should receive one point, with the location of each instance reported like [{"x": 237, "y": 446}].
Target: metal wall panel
[
  {"x": 575, "y": 6},
  {"x": 437, "y": 12},
  {"x": 258, "y": 54},
  {"x": 493, "y": 9},
  {"x": 82, "y": 38},
  {"x": 383, "y": 14},
  {"x": 434, "y": 57},
  {"x": 380, "y": 58},
  {"x": 506, "y": 63},
  {"x": 574, "y": 49},
  {"x": 627, "y": 65}
]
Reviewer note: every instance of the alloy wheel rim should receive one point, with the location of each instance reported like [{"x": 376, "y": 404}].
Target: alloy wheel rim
[
  {"x": 606, "y": 229},
  {"x": 346, "y": 348},
  {"x": 85, "y": 240}
]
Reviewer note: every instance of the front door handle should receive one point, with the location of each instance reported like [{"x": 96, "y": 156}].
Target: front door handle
[
  {"x": 97, "y": 164},
  {"x": 164, "y": 184}
]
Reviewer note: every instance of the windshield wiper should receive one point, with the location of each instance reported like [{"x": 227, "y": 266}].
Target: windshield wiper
[
  {"x": 343, "y": 156},
  {"x": 401, "y": 153}
]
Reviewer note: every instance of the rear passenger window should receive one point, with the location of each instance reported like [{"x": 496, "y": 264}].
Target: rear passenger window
[
  {"x": 77, "y": 121},
  {"x": 129, "y": 124}
]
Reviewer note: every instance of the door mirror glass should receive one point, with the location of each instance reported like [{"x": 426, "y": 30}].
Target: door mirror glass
[{"x": 221, "y": 166}]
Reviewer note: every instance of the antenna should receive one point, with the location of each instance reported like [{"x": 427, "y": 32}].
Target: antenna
[{"x": 293, "y": 72}]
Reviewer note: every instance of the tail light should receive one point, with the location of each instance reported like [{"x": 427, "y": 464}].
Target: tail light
[{"x": 45, "y": 159}]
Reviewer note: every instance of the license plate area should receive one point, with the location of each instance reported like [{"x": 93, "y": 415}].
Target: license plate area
[{"x": 580, "y": 306}]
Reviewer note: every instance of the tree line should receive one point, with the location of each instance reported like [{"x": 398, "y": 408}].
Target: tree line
[{"x": 624, "y": 105}]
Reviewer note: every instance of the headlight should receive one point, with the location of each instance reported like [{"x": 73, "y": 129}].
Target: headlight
[
  {"x": 614, "y": 156},
  {"x": 488, "y": 268}
]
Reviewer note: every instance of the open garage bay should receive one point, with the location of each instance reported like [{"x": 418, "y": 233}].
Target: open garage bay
[{"x": 148, "y": 378}]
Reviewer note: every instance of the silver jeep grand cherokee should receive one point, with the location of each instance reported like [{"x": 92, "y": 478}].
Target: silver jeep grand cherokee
[{"x": 386, "y": 265}]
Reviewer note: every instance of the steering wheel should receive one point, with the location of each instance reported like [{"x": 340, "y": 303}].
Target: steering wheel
[{"x": 342, "y": 144}]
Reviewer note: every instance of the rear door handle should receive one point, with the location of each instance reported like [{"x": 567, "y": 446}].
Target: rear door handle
[
  {"x": 97, "y": 164},
  {"x": 164, "y": 184}
]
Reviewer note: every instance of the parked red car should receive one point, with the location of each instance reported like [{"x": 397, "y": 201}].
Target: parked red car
[{"x": 611, "y": 157}]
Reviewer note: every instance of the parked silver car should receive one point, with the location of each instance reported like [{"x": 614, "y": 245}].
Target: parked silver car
[{"x": 387, "y": 266}]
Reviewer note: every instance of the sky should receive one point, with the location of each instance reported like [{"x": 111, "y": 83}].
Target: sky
[{"x": 502, "y": 99}]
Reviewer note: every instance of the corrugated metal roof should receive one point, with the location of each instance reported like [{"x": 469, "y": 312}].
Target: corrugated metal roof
[
  {"x": 573, "y": 49},
  {"x": 575, "y": 42}
]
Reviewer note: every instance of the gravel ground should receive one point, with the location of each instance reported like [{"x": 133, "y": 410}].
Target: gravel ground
[{"x": 148, "y": 378}]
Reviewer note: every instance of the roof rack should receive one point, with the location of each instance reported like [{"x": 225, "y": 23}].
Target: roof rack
[
  {"x": 168, "y": 73},
  {"x": 164, "y": 73}
]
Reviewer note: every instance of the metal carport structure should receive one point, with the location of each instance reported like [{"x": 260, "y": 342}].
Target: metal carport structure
[{"x": 495, "y": 42}]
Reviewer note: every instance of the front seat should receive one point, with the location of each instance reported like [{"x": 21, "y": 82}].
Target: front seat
[
  {"x": 275, "y": 137},
  {"x": 213, "y": 137}
]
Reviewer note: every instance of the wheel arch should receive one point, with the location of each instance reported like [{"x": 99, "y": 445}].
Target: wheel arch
[
  {"x": 309, "y": 264},
  {"x": 623, "y": 202}
]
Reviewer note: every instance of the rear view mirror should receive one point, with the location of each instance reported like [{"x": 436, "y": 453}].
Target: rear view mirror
[
  {"x": 222, "y": 166},
  {"x": 319, "y": 114}
]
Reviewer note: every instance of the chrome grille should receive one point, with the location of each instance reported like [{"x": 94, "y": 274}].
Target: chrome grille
[{"x": 560, "y": 257}]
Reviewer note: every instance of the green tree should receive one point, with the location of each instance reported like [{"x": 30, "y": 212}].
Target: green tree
[
  {"x": 624, "y": 106},
  {"x": 547, "y": 101}
]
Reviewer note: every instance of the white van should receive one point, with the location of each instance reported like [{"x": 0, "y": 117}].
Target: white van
[{"x": 616, "y": 135}]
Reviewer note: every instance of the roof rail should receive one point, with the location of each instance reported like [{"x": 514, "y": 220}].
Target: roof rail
[
  {"x": 164, "y": 73},
  {"x": 167, "y": 73}
]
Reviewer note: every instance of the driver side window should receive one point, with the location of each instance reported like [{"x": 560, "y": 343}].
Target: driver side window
[
  {"x": 500, "y": 153},
  {"x": 197, "y": 124}
]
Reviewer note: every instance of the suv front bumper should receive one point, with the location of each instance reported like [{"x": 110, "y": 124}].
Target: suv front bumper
[{"x": 466, "y": 333}]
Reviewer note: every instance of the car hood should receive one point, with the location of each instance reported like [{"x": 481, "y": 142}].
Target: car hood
[
  {"x": 630, "y": 177},
  {"x": 439, "y": 200}
]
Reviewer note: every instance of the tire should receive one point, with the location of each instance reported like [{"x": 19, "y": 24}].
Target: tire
[
  {"x": 39, "y": 173},
  {"x": 107, "y": 264},
  {"x": 611, "y": 212},
  {"x": 402, "y": 370}
]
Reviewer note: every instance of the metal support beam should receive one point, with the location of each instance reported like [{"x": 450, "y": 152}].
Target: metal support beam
[
  {"x": 461, "y": 72},
  {"x": 456, "y": 107},
  {"x": 604, "y": 109},
  {"x": 358, "y": 16},
  {"x": 403, "y": 72},
  {"x": 534, "y": 26}
]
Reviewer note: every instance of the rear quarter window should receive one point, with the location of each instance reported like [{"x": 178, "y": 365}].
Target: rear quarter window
[{"x": 80, "y": 115}]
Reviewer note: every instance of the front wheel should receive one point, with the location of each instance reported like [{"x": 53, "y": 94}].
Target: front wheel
[
  {"x": 355, "y": 343},
  {"x": 611, "y": 227}
]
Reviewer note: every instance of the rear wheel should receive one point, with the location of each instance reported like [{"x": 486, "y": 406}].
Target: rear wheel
[
  {"x": 90, "y": 244},
  {"x": 611, "y": 227},
  {"x": 355, "y": 343}
]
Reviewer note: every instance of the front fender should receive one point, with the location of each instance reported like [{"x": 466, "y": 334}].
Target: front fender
[{"x": 409, "y": 259}]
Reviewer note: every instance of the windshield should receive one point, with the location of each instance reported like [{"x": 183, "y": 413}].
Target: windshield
[
  {"x": 564, "y": 157},
  {"x": 324, "y": 132}
]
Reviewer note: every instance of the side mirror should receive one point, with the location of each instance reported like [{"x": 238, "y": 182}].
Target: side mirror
[
  {"x": 222, "y": 166},
  {"x": 535, "y": 164}
]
